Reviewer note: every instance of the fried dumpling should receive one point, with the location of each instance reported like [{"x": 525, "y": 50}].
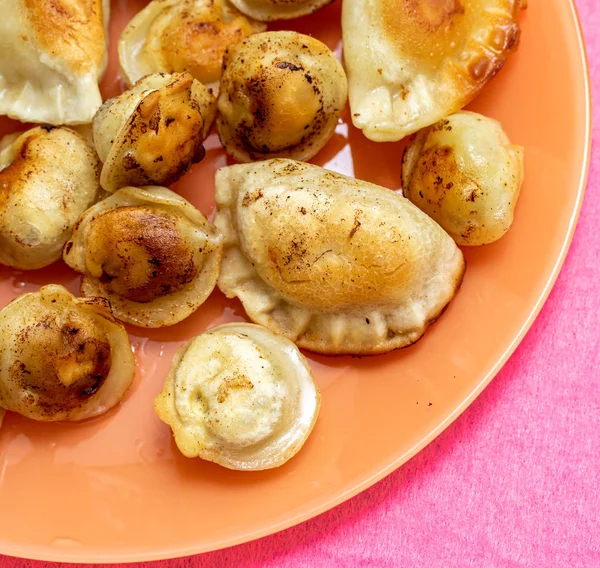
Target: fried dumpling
[
  {"x": 281, "y": 96},
  {"x": 413, "y": 62},
  {"x": 269, "y": 10},
  {"x": 48, "y": 178},
  {"x": 53, "y": 55},
  {"x": 61, "y": 357},
  {"x": 150, "y": 252},
  {"x": 465, "y": 174},
  {"x": 153, "y": 133},
  {"x": 182, "y": 35},
  {"x": 240, "y": 396},
  {"x": 335, "y": 264}
]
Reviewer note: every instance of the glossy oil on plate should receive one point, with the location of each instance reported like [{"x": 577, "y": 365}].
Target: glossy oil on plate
[{"x": 116, "y": 488}]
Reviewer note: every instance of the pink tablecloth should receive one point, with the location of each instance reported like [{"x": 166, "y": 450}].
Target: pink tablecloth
[{"x": 515, "y": 481}]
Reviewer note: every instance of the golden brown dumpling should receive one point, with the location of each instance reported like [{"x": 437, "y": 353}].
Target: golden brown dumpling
[
  {"x": 61, "y": 357},
  {"x": 411, "y": 63},
  {"x": 335, "y": 264},
  {"x": 182, "y": 35},
  {"x": 281, "y": 96},
  {"x": 153, "y": 133},
  {"x": 53, "y": 55},
  {"x": 148, "y": 251},
  {"x": 464, "y": 172},
  {"x": 48, "y": 178},
  {"x": 240, "y": 396},
  {"x": 269, "y": 10}
]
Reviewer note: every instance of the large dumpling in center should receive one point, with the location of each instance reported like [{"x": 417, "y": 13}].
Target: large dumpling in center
[{"x": 336, "y": 264}]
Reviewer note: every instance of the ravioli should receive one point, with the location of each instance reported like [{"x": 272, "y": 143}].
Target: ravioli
[
  {"x": 53, "y": 55},
  {"x": 269, "y": 10},
  {"x": 182, "y": 35},
  {"x": 153, "y": 133},
  {"x": 48, "y": 177},
  {"x": 240, "y": 396},
  {"x": 465, "y": 174},
  {"x": 281, "y": 96},
  {"x": 335, "y": 264},
  {"x": 410, "y": 63},
  {"x": 148, "y": 251},
  {"x": 61, "y": 357}
]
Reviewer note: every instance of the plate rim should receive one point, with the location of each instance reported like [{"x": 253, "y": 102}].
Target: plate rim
[{"x": 48, "y": 555}]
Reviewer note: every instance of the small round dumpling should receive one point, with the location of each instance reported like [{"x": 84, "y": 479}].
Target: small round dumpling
[
  {"x": 150, "y": 252},
  {"x": 464, "y": 173},
  {"x": 281, "y": 96},
  {"x": 182, "y": 35},
  {"x": 153, "y": 133},
  {"x": 240, "y": 396},
  {"x": 269, "y": 10},
  {"x": 61, "y": 357},
  {"x": 48, "y": 178},
  {"x": 335, "y": 264}
]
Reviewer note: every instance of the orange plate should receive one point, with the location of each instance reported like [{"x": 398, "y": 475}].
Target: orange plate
[{"x": 116, "y": 488}]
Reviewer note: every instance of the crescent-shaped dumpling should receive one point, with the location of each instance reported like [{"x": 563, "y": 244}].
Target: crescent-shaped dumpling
[
  {"x": 53, "y": 55},
  {"x": 61, "y": 357},
  {"x": 240, "y": 396},
  {"x": 465, "y": 174},
  {"x": 48, "y": 178},
  {"x": 281, "y": 96},
  {"x": 182, "y": 35},
  {"x": 269, "y": 10},
  {"x": 153, "y": 133},
  {"x": 150, "y": 252},
  {"x": 335, "y": 264},
  {"x": 410, "y": 63}
]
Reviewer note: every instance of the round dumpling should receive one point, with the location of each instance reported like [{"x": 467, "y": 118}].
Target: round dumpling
[
  {"x": 464, "y": 172},
  {"x": 150, "y": 252},
  {"x": 61, "y": 357},
  {"x": 281, "y": 96},
  {"x": 153, "y": 133},
  {"x": 48, "y": 178},
  {"x": 269, "y": 10},
  {"x": 240, "y": 396},
  {"x": 182, "y": 35},
  {"x": 335, "y": 264}
]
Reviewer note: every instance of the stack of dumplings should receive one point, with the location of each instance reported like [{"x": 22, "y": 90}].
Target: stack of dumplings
[{"x": 319, "y": 261}]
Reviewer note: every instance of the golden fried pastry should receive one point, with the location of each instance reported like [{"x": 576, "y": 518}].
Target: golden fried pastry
[
  {"x": 240, "y": 396},
  {"x": 148, "y": 251},
  {"x": 269, "y": 10},
  {"x": 182, "y": 35},
  {"x": 281, "y": 96},
  {"x": 48, "y": 178},
  {"x": 335, "y": 264},
  {"x": 61, "y": 357},
  {"x": 153, "y": 133},
  {"x": 413, "y": 62},
  {"x": 53, "y": 55},
  {"x": 464, "y": 173}
]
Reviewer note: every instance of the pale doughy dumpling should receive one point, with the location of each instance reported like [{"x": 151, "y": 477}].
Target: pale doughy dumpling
[
  {"x": 240, "y": 396},
  {"x": 153, "y": 133},
  {"x": 150, "y": 252},
  {"x": 61, "y": 357},
  {"x": 411, "y": 63},
  {"x": 464, "y": 172},
  {"x": 48, "y": 178},
  {"x": 335, "y": 264},
  {"x": 53, "y": 55},
  {"x": 281, "y": 97},
  {"x": 269, "y": 10},
  {"x": 182, "y": 35}
]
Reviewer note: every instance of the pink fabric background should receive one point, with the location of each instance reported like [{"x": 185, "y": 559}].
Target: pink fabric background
[{"x": 515, "y": 480}]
